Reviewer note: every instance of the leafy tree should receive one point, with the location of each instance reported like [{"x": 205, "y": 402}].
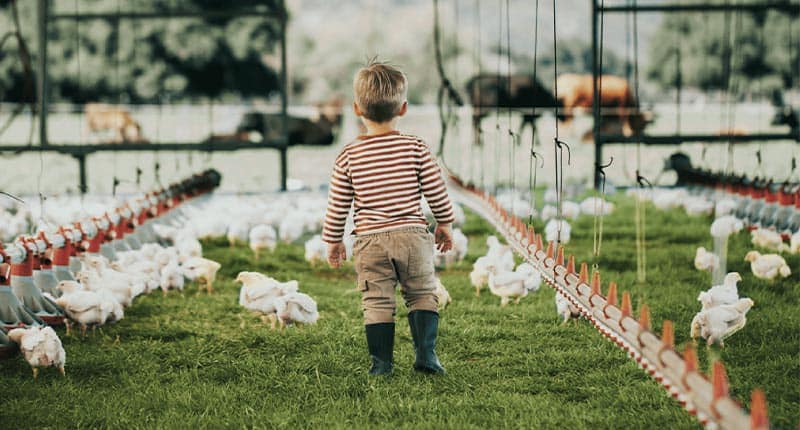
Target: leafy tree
[
  {"x": 148, "y": 60},
  {"x": 761, "y": 55}
]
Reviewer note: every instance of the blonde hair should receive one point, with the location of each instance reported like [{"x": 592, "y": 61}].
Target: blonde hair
[{"x": 380, "y": 90}]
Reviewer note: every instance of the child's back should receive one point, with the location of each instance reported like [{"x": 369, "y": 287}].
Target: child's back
[{"x": 384, "y": 175}]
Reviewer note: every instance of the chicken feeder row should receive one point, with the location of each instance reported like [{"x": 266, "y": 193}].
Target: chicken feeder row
[
  {"x": 31, "y": 265},
  {"x": 761, "y": 202},
  {"x": 708, "y": 400}
]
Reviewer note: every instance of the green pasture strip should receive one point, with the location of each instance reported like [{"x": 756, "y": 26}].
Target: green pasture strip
[{"x": 197, "y": 361}]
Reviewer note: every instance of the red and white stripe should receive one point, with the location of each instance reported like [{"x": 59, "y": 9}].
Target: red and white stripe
[{"x": 385, "y": 177}]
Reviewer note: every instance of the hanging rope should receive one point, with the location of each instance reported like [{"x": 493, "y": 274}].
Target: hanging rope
[
  {"x": 733, "y": 89},
  {"x": 479, "y": 107},
  {"x": 446, "y": 90},
  {"x": 534, "y": 167},
  {"x": 511, "y": 136},
  {"x": 599, "y": 204},
  {"x": 640, "y": 213},
  {"x": 727, "y": 65},
  {"x": 559, "y": 145},
  {"x": 599, "y": 215},
  {"x": 497, "y": 101},
  {"x": 455, "y": 116}
]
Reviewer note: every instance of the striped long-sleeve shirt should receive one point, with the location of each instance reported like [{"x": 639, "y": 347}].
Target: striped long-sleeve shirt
[{"x": 384, "y": 177}]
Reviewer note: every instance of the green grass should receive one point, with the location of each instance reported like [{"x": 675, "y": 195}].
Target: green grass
[{"x": 195, "y": 360}]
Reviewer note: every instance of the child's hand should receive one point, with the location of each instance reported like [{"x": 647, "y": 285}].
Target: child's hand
[
  {"x": 443, "y": 238},
  {"x": 336, "y": 254}
]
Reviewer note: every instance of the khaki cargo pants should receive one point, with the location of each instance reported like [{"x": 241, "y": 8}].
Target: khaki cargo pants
[{"x": 383, "y": 260}]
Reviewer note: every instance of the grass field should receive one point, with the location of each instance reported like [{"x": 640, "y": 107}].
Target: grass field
[{"x": 197, "y": 361}]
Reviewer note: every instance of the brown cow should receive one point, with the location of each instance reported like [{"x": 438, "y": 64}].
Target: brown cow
[
  {"x": 101, "y": 117},
  {"x": 617, "y": 103}
]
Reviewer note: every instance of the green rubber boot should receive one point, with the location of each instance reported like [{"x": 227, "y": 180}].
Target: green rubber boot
[
  {"x": 424, "y": 327},
  {"x": 380, "y": 342}
]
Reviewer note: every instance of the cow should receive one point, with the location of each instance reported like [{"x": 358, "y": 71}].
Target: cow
[
  {"x": 101, "y": 117},
  {"x": 618, "y": 106},
  {"x": 320, "y": 129},
  {"x": 785, "y": 114},
  {"x": 517, "y": 92}
]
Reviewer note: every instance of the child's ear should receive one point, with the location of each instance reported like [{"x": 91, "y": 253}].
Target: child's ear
[
  {"x": 356, "y": 109},
  {"x": 403, "y": 109}
]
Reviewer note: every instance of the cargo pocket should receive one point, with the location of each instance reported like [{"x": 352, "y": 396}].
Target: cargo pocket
[{"x": 420, "y": 258}]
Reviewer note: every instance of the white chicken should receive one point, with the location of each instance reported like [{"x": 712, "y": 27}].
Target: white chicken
[
  {"x": 565, "y": 309},
  {"x": 442, "y": 296},
  {"x": 41, "y": 347},
  {"x": 171, "y": 278},
  {"x": 456, "y": 254},
  {"x": 767, "y": 266},
  {"x": 725, "y": 226},
  {"x": 718, "y": 323},
  {"x": 549, "y": 212},
  {"x": 316, "y": 250},
  {"x": 768, "y": 239},
  {"x": 551, "y": 231},
  {"x": 202, "y": 270},
  {"x": 87, "y": 308},
  {"x": 188, "y": 247},
  {"x": 263, "y": 236},
  {"x": 260, "y": 292},
  {"x": 479, "y": 275},
  {"x": 503, "y": 254},
  {"x": 596, "y": 206},
  {"x": 724, "y": 207},
  {"x": 294, "y": 308},
  {"x": 704, "y": 260},
  {"x": 516, "y": 284},
  {"x": 498, "y": 256},
  {"x": 118, "y": 289},
  {"x": 665, "y": 199},
  {"x": 726, "y": 293},
  {"x": 794, "y": 243},
  {"x": 291, "y": 228},
  {"x": 698, "y": 206},
  {"x": 238, "y": 231}
]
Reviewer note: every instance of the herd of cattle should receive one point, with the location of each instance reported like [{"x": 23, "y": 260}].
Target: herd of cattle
[{"x": 620, "y": 111}]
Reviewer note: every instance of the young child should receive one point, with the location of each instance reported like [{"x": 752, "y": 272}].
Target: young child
[{"x": 385, "y": 174}]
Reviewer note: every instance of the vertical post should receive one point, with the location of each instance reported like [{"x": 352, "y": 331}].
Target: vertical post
[
  {"x": 82, "y": 172},
  {"x": 41, "y": 87},
  {"x": 598, "y": 145},
  {"x": 284, "y": 98},
  {"x": 283, "y": 153}
]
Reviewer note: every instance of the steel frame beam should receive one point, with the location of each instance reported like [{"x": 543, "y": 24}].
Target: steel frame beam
[
  {"x": 80, "y": 152},
  {"x": 787, "y": 6},
  {"x": 676, "y": 139}
]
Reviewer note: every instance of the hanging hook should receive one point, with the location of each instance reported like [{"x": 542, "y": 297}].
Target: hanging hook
[
  {"x": 642, "y": 181},
  {"x": 537, "y": 156},
  {"x": 138, "y": 176},
  {"x": 561, "y": 145},
  {"x": 601, "y": 168},
  {"x": 758, "y": 157},
  {"x": 114, "y": 186}
]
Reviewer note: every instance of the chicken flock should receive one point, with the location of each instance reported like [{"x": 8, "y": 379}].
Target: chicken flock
[{"x": 101, "y": 286}]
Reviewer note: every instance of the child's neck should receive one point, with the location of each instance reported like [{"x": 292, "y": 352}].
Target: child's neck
[{"x": 377, "y": 128}]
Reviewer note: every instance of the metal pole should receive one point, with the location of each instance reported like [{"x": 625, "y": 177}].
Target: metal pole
[
  {"x": 82, "y": 172},
  {"x": 598, "y": 145},
  {"x": 284, "y": 98},
  {"x": 41, "y": 87}
]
